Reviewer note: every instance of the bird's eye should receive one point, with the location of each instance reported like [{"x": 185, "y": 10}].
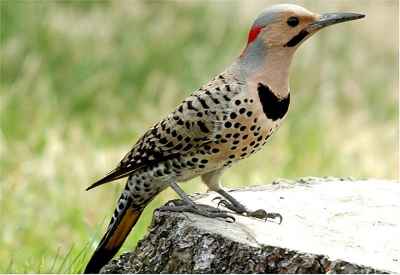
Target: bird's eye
[{"x": 293, "y": 21}]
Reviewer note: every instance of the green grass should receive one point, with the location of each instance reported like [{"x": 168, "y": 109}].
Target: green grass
[{"x": 82, "y": 80}]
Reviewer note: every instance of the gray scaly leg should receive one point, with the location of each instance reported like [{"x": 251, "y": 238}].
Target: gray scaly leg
[
  {"x": 232, "y": 204},
  {"x": 188, "y": 205}
]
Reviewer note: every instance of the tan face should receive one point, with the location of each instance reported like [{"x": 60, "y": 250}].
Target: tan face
[
  {"x": 289, "y": 25},
  {"x": 288, "y": 29}
]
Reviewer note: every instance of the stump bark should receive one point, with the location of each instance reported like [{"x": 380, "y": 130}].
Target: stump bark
[{"x": 329, "y": 226}]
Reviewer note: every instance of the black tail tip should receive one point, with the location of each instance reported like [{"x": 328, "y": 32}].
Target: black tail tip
[{"x": 98, "y": 261}]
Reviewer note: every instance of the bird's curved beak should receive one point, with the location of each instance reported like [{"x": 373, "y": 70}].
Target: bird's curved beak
[{"x": 328, "y": 19}]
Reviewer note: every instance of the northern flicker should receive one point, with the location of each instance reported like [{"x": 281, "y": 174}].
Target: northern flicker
[{"x": 226, "y": 120}]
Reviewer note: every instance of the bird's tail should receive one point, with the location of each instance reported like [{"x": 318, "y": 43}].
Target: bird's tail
[{"x": 120, "y": 226}]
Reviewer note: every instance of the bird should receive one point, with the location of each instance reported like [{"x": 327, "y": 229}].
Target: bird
[{"x": 226, "y": 120}]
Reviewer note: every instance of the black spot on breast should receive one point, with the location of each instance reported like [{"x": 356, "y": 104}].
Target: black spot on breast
[
  {"x": 187, "y": 147},
  {"x": 203, "y": 127},
  {"x": 167, "y": 172},
  {"x": 273, "y": 107},
  {"x": 190, "y": 105},
  {"x": 202, "y": 102},
  {"x": 208, "y": 93}
]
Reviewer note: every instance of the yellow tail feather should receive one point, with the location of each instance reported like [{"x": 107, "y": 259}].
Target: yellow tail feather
[{"x": 113, "y": 239}]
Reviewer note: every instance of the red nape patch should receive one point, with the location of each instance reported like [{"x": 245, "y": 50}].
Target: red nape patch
[{"x": 253, "y": 33}]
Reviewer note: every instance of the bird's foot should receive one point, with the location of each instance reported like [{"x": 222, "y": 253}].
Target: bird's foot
[
  {"x": 240, "y": 209},
  {"x": 200, "y": 209}
]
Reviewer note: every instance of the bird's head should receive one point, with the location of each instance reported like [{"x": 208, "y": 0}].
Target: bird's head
[
  {"x": 274, "y": 37},
  {"x": 286, "y": 26}
]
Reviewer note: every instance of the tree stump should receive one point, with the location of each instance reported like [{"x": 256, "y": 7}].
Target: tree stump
[{"x": 329, "y": 226}]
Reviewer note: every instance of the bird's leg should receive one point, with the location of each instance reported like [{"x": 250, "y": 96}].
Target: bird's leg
[
  {"x": 232, "y": 204},
  {"x": 187, "y": 205}
]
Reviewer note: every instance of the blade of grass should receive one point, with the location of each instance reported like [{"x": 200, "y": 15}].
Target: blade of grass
[
  {"x": 80, "y": 254},
  {"x": 55, "y": 260},
  {"x": 66, "y": 257}
]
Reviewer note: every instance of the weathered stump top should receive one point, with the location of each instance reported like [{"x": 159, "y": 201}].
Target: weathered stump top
[{"x": 329, "y": 225}]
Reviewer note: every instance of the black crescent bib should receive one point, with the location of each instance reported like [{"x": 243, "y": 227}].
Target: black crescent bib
[{"x": 274, "y": 108}]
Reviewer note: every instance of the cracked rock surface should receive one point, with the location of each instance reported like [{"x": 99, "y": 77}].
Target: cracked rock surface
[{"x": 329, "y": 226}]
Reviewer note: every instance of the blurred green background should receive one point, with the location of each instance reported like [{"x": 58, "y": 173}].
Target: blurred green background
[{"x": 82, "y": 80}]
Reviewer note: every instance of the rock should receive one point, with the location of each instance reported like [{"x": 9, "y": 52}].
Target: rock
[{"x": 329, "y": 226}]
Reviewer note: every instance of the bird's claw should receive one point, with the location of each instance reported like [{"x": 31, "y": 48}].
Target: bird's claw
[
  {"x": 224, "y": 203},
  {"x": 273, "y": 216},
  {"x": 230, "y": 219},
  {"x": 217, "y": 198},
  {"x": 258, "y": 214}
]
